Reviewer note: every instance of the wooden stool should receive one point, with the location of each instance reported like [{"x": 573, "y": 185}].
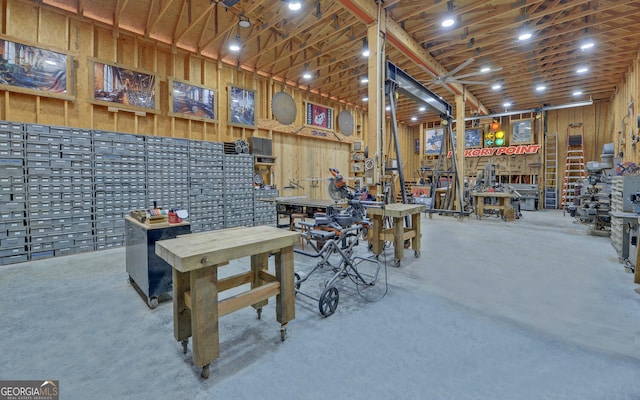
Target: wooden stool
[{"x": 292, "y": 220}]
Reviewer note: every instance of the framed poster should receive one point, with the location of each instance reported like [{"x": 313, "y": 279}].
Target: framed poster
[
  {"x": 433, "y": 140},
  {"x": 318, "y": 116},
  {"x": 472, "y": 138},
  {"x": 521, "y": 132},
  {"x": 191, "y": 101},
  {"x": 33, "y": 70},
  {"x": 124, "y": 88},
  {"x": 242, "y": 106}
]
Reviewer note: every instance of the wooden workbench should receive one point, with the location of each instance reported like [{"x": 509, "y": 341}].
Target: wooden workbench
[
  {"x": 398, "y": 233},
  {"x": 300, "y": 205},
  {"x": 503, "y": 200},
  {"x": 195, "y": 260}
]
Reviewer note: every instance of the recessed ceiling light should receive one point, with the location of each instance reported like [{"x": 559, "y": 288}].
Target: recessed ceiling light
[
  {"x": 365, "y": 99},
  {"x": 244, "y": 22},
  {"x": 496, "y": 86},
  {"x": 524, "y": 36},
  {"x": 234, "y": 46},
  {"x": 422, "y": 108},
  {"x": 540, "y": 88},
  {"x": 582, "y": 70},
  {"x": 294, "y": 5},
  {"x": 577, "y": 93},
  {"x": 447, "y": 22},
  {"x": 364, "y": 79},
  {"x": 587, "y": 45}
]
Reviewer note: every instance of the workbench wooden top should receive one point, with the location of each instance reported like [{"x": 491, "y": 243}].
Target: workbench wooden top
[
  {"x": 304, "y": 202},
  {"x": 157, "y": 225},
  {"x": 492, "y": 194},
  {"x": 397, "y": 210},
  {"x": 189, "y": 252}
]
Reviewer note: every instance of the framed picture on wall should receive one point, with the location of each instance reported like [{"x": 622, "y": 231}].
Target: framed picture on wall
[
  {"x": 472, "y": 138},
  {"x": 522, "y": 132},
  {"x": 318, "y": 116},
  {"x": 433, "y": 140},
  {"x": 242, "y": 106},
  {"x": 31, "y": 69},
  {"x": 124, "y": 88},
  {"x": 191, "y": 101}
]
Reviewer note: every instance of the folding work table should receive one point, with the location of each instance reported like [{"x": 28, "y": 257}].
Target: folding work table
[{"x": 195, "y": 260}]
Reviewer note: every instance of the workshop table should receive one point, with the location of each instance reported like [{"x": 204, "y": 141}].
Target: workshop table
[
  {"x": 398, "y": 233},
  {"x": 195, "y": 260},
  {"x": 300, "y": 205},
  {"x": 503, "y": 199}
]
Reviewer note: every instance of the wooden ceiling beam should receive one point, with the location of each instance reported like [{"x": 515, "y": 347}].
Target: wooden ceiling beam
[
  {"x": 192, "y": 24},
  {"x": 318, "y": 39},
  {"x": 163, "y": 11}
]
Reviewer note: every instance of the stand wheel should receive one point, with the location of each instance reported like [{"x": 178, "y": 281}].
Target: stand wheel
[
  {"x": 396, "y": 263},
  {"x": 152, "y": 302},
  {"x": 259, "y": 310},
  {"x": 283, "y": 333},
  {"x": 205, "y": 372},
  {"x": 297, "y": 280},
  {"x": 185, "y": 345},
  {"x": 328, "y": 301},
  {"x": 417, "y": 253}
]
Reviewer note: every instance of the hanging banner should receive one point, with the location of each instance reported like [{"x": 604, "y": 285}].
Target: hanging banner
[{"x": 498, "y": 151}]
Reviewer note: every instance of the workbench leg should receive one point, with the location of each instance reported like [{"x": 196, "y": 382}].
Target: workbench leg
[
  {"x": 204, "y": 315},
  {"x": 285, "y": 301},
  {"x": 415, "y": 242},
  {"x": 181, "y": 314},
  {"x": 398, "y": 238},
  {"x": 259, "y": 262},
  {"x": 377, "y": 231}
]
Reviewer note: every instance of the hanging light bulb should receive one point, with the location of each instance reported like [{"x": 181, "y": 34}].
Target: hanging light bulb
[
  {"x": 234, "y": 44},
  {"x": 365, "y": 48}
]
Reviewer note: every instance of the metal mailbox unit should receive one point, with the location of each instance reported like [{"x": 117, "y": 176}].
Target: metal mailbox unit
[{"x": 148, "y": 273}]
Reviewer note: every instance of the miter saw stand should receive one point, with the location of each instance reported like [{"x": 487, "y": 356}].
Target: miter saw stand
[{"x": 337, "y": 232}]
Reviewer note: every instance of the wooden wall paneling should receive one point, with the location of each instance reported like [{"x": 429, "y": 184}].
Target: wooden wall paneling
[
  {"x": 125, "y": 122},
  {"x": 81, "y": 44},
  {"x": 180, "y": 128},
  {"x": 22, "y": 107},
  {"x": 21, "y": 19},
  {"x": 104, "y": 44},
  {"x": 51, "y": 111},
  {"x": 53, "y": 28},
  {"x": 147, "y": 55},
  {"x": 127, "y": 50}
]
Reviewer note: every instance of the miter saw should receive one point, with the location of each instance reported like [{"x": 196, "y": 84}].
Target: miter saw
[{"x": 357, "y": 201}]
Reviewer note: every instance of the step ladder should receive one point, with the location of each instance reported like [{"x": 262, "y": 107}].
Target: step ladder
[
  {"x": 551, "y": 170},
  {"x": 575, "y": 171}
]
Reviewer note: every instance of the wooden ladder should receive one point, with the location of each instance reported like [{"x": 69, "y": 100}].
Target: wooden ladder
[
  {"x": 551, "y": 170},
  {"x": 575, "y": 171}
]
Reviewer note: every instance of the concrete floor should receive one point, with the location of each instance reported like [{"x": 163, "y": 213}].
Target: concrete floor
[{"x": 531, "y": 309}]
